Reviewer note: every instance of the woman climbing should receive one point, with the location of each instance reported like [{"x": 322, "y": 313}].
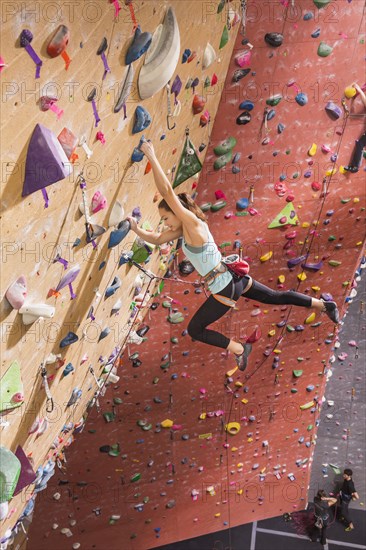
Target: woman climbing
[
  {"x": 183, "y": 217},
  {"x": 360, "y": 144}
]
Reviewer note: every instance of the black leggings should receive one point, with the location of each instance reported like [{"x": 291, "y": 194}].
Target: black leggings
[
  {"x": 212, "y": 310},
  {"x": 357, "y": 153}
]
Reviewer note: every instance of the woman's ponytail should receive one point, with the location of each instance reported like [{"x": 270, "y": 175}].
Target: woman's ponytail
[{"x": 189, "y": 203}]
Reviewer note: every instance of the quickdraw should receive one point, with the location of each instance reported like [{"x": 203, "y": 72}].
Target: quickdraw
[{"x": 49, "y": 402}]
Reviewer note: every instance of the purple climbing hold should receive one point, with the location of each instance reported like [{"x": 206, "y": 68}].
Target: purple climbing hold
[
  {"x": 333, "y": 110},
  {"x": 307, "y": 174}
]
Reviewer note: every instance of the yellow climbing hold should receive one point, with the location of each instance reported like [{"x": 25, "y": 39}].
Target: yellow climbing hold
[
  {"x": 266, "y": 257},
  {"x": 356, "y": 200},
  {"x": 232, "y": 428},
  {"x": 217, "y": 515},
  {"x": 239, "y": 465},
  {"x": 331, "y": 172},
  {"x": 271, "y": 332},
  {"x": 202, "y": 416},
  {"x": 240, "y": 492},
  {"x": 250, "y": 439},
  {"x": 281, "y": 279},
  {"x": 312, "y": 150},
  {"x": 205, "y": 436},
  {"x": 244, "y": 401},
  {"x": 231, "y": 372},
  {"x": 305, "y": 225},
  {"x": 301, "y": 277},
  {"x": 342, "y": 170},
  {"x": 233, "y": 449},
  {"x": 307, "y": 405},
  {"x": 167, "y": 423},
  {"x": 310, "y": 318},
  {"x": 277, "y": 351},
  {"x": 315, "y": 288},
  {"x": 349, "y": 92},
  {"x": 359, "y": 243},
  {"x": 238, "y": 384}
]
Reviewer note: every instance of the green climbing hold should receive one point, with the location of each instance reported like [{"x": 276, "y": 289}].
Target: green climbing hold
[
  {"x": 205, "y": 207},
  {"x": 297, "y": 373},
  {"x": 290, "y": 328},
  {"x": 174, "y": 340},
  {"x": 293, "y": 390},
  {"x": 176, "y": 318},
  {"x": 141, "y": 423},
  {"x": 135, "y": 477},
  {"x": 117, "y": 401},
  {"x": 224, "y": 38},
  {"x": 141, "y": 251},
  {"x": 167, "y": 304},
  {"x": 222, "y": 160},
  {"x": 224, "y": 244},
  {"x": 225, "y": 147},
  {"x": 218, "y": 205},
  {"x": 331, "y": 238},
  {"x": 221, "y": 6},
  {"x": 274, "y": 100},
  {"x": 155, "y": 380},
  {"x": 166, "y": 365},
  {"x": 321, "y": 3},
  {"x": 189, "y": 164},
  {"x": 287, "y": 216},
  {"x": 334, "y": 263},
  {"x": 109, "y": 416},
  {"x": 147, "y": 427},
  {"x": 114, "y": 450},
  {"x": 239, "y": 214},
  {"x": 344, "y": 201},
  {"x": 309, "y": 428},
  {"x": 324, "y": 50}
]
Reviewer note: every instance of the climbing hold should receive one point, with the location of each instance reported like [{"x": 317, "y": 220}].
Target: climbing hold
[
  {"x": 75, "y": 395},
  {"x": 125, "y": 91},
  {"x": 280, "y": 128},
  {"x": 324, "y": 49},
  {"x": 274, "y": 100},
  {"x": 246, "y": 105},
  {"x": 113, "y": 287},
  {"x": 222, "y": 160},
  {"x": 301, "y": 99},
  {"x": 225, "y": 147},
  {"x": 310, "y": 318},
  {"x": 198, "y": 104},
  {"x": 17, "y": 292},
  {"x": 297, "y": 373},
  {"x": 333, "y": 110},
  {"x": 286, "y": 216},
  {"x": 307, "y": 406},
  {"x": 266, "y": 257},
  {"x": 11, "y": 388},
  {"x": 140, "y": 44},
  {"x": 44, "y": 150},
  {"x": 232, "y": 428},
  {"x": 142, "y": 120},
  {"x": 70, "y": 338},
  {"x": 242, "y": 204},
  {"x": 119, "y": 234},
  {"x": 57, "y": 44},
  {"x": 209, "y": 56},
  {"x": 243, "y": 58},
  {"x": 224, "y": 37},
  {"x": 167, "y": 423},
  {"x": 321, "y": 3},
  {"x": 312, "y": 150},
  {"x": 350, "y": 92},
  {"x": 274, "y": 39},
  {"x": 244, "y": 118},
  {"x": 239, "y": 74}
]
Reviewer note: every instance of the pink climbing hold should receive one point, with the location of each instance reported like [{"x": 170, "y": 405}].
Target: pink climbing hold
[
  {"x": 99, "y": 202},
  {"x": 49, "y": 103},
  {"x": 100, "y": 137}
]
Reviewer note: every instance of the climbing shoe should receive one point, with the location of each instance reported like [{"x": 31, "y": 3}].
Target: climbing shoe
[
  {"x": 349, "y": 529},
  {"x": 352, "y": 169},
  {"x": 330, "y": 308},
  {"x": 242, "y": 360}
]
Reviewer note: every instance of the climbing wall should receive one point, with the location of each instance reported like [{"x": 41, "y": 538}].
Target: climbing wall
[
  {"x": 156, "y": 461},
  {"x": 67, "y": 262}
]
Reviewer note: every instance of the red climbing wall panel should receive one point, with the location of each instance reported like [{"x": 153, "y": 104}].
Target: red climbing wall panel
[{"x": 264, "y": 469}]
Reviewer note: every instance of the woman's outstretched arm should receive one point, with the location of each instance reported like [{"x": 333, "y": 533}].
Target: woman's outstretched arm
[
  {"x": 151, "y": 236},
  {"x": 165, "y": 189}
]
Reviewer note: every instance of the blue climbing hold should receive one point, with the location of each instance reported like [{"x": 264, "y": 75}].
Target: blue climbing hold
[
  {"x": 271, "y": 114},
  {"x": 69, "y": 368},
  {"x": 280, "y": 128},
  {"x": 119, "y": 234},
  {"x": 246, "y": 105},
  {"x": 70, "y": 338},
  {"x": 301, "y": 99},
  {"x": 282, "y": 177},
  {"x": 308, "y": 15},
  {"x": 125, "y": 258},
  {"x": 104, "y": 333},
  {"x": 140, "y": 44},
  {"x": 235, "y": 169},
  {"x": 142, "y": 120},
  {"x": 186, "y": 55},
  {"x": 315, "y": 34},
  {"x": 242, "y": 204},
  {"x": 113, "y": 287}
]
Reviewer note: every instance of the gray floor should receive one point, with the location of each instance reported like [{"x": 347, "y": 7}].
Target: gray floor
[{"x": 341, "y": 444}]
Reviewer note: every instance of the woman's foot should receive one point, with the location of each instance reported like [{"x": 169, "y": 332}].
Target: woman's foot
[
  {"x": 331, "y": 309},
  {"x": 349, "y": 528},
  {"x": 352, "y": 169},
  {"x": 242, "y": 359}
]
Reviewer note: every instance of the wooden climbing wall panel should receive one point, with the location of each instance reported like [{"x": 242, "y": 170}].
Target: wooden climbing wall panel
[
  {"x": 33, "y": 236},
  {"x": 191, "y": 477}
]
